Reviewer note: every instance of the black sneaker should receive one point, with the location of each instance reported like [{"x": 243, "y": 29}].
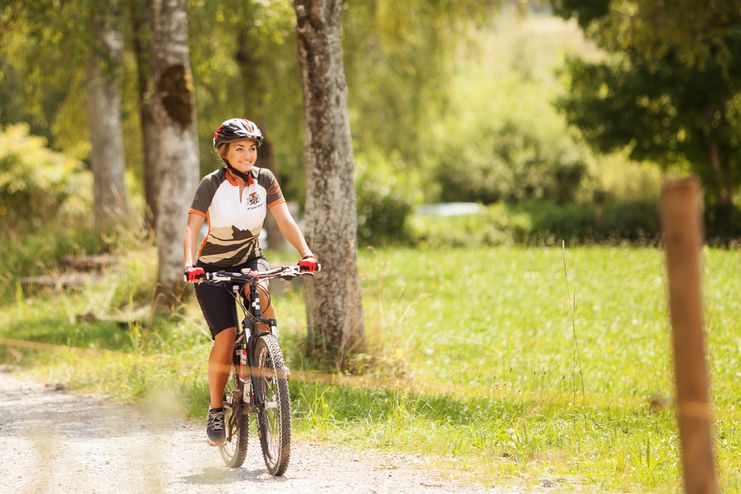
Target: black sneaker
[{"x": 215, "y": 428}]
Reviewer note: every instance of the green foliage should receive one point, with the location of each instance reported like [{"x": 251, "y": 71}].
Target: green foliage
[
  {"x": 42, "y": 252},
  {"x": 400, "y": 62},
  {"x": 44, "y": 48},
  {"x": 499, "y": 138},
  {"x": 35, "y": 182},
  {"x": 542, "y": 223},
  {"x": 239, "y": 51},
  {"x": 497, "y": 225},
  {"x": 585, "y": 11},
  {"x": 670, "y": 89},
  {"x": 51, "y": 97},
  {"x": 384, "y": 205},
  {"x": 723, "y": 224},
  {"x": 132, "y": 283},
  {"x": 510, "y": 163},
  {"x": 653, "y": 107},
  {"x": 399, "y": 57},
  {"x": 634, "y": 221},
  {"x": 383, "y": 211},
  {"x": 615, "y": 178}
]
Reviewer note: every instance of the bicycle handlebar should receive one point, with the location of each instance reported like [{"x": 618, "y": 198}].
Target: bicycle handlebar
[{"x": 251, "y": 276}]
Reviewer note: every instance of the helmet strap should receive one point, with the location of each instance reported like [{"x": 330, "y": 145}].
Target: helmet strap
[{"x": 247, "y": 177}]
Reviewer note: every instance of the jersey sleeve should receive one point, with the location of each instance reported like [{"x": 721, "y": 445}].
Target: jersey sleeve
[
  {"x": 204, "y": 195},
  {"x": 274, "y": 194}
]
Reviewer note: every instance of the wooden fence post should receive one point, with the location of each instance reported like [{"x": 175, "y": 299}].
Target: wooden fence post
[{"x": 682, "y": 225}]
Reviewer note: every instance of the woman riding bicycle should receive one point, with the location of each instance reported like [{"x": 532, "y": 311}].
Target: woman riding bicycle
[{"x": 234, "y": 200}]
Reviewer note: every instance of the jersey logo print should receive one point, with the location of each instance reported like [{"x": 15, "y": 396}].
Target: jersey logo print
[{"x": 253, "y": 198}]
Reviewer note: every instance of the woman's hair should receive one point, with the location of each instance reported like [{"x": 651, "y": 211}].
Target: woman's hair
[{"x": 223, "y": 149}]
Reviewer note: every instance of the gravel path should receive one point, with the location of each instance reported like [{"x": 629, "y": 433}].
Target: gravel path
[{"x": 52, "y": 440}]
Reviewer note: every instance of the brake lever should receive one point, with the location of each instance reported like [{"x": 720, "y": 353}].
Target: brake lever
[{"x": 289, "y": 273}]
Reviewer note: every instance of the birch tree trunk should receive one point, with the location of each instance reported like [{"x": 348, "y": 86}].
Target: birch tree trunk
[
  {"x": 333, "y": 304},
  {"x": 103, "y": 82},
  {"x": 142, "y": 41},
  {"x": 173, "y": 109}
]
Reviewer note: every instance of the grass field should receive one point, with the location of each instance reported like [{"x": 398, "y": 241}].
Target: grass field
[{"x": 472, "y": 360}]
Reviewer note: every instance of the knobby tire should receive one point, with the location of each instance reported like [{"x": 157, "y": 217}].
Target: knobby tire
[{"x": 274, "y": 419}]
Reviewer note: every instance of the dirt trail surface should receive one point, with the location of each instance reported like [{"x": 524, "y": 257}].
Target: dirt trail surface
[{"x": 52, "y": 440}]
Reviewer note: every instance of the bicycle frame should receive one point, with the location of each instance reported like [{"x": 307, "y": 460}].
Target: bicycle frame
[
  {"x": 262, "y": 388},
  {"x": 253, "y": 316},
  {"x": 250, "y": 305}
]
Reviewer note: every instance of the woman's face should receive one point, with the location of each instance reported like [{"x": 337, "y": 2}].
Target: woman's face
[{"x": 242, "y": 154}]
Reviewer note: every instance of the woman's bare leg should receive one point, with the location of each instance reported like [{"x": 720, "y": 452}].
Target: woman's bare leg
[{"x": 220, "y": 364}]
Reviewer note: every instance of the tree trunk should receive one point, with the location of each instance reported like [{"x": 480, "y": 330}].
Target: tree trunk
[
  {"x": 142, "y": 41},
  {"x": 333, "y": 303},
  {"x": 720, "y": 183},
  {"x": 730, "y": 178},
  {"x": 104, "y": 120},
  {"x": 174, "y": 115},
  {"x": 254, "y": 95}
]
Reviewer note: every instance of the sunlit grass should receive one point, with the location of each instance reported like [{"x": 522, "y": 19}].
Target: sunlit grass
[{"x": 474, "y": 351}]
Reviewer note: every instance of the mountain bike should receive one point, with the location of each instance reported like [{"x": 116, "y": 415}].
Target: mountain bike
[{"x": 258, "y": 383}]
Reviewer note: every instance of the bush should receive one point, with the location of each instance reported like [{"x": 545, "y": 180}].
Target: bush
[
  {"x": 723, "y": 224},
  {"x": 508, "y": 163},
  {"x": 38, "y": 253},
  {"x": 133, "y": 281},
  {"x": 634, "y": 221},
  {"x": 383, "y": 211},
  {"x": 538, "y": 223},
  {"x": 497, "y": 225},
  {"x": 386, "y": 190},
  {"x": 35, "y": 182}
]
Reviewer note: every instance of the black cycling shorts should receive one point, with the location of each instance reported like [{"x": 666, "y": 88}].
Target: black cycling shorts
[{"x": 217, "y": 303}]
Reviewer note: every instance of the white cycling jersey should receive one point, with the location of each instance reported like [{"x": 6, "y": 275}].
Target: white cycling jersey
[{"x": 234, "y": 222}]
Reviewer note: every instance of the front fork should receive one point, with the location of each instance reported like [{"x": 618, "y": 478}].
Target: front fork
[{"x": 246, "y": 352}]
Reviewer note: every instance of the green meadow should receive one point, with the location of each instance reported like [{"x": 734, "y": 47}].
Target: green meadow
[{"x": 506, "y": 366}]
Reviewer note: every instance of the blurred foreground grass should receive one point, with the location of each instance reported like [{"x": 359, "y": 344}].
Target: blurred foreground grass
[{"x": 471, "y": 360}]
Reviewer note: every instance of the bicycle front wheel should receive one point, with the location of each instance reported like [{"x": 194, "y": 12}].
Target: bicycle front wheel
[
  {"x": 236, "y": 421},
  {"x": 274, "y": 417}
]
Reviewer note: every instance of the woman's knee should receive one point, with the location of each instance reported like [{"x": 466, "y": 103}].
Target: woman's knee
[{"x": 225, "y": 337}]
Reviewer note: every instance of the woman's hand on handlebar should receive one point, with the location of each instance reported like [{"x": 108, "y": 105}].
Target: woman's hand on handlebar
[
  {"x": 308, "y": 263},
  {"x": 194, "y": 274}
]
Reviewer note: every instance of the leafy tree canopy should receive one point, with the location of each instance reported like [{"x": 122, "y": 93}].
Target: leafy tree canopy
[
  {"x": 399, "y": 58},
  {"x": 669, "y": 88}
]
